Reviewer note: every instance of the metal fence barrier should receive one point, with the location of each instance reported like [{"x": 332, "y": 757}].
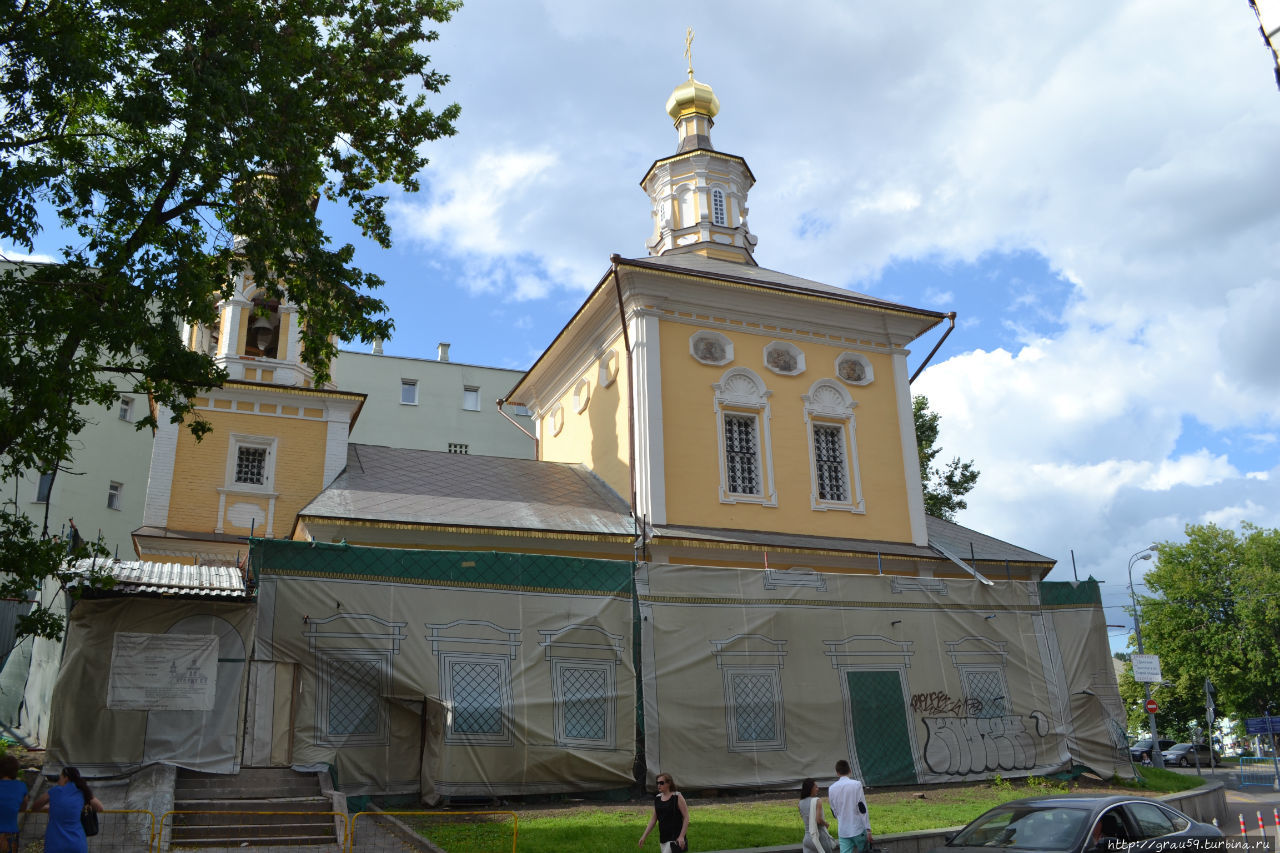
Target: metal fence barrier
[
  {"x": 317, "y": 831},
  {"x": 1257, "y": 771},
  {"x": 384, "y": 832},
  {"x": 122, "y": 830}
]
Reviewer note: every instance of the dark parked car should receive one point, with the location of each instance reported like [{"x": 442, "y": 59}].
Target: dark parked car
[
  {"x": 1082, "y": 824},
  {"x": 1184, "y": 754},
  {"x": 1141, "y": 750}
]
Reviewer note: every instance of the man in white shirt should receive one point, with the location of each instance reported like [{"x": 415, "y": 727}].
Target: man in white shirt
[{"x": 850, "y": 809}]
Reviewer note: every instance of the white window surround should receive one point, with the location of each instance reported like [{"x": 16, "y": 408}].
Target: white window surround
[
  {"x": 829, "y": 404},
  {"x": 741, "y": 391},
  {"x": 557, "y": 420},
  {"x": 125, "y": 412},
  {"x": 471, "y": 398},
  {"x": 114, "y": 491},
  {"x": 718, "y": 216},
  {"x": 710, "y": 348},
  {"x": 608, "y": 369},
  {"x": 267, "y": 443},
  {"x": 854, "y": 368},
  {"x": 784, "y": 358},
  {"x": 581, "y": 395},
  {"x": 408, "y": 392}
]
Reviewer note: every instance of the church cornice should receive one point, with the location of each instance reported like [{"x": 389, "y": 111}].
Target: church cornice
[{"x": 687, "y": 155}]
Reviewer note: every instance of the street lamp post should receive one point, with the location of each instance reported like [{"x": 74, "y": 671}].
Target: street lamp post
[{"x": 1157, "y": 760}]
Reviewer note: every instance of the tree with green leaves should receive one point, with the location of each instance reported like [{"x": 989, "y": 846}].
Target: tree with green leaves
[
  {"x": 1211, "y": 611},
  {"x": 944, "y": 486},
  {"x": 177, "y": 145}
]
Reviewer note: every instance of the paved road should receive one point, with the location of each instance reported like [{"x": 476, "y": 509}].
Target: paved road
[{"x": 1248, "y": 800}]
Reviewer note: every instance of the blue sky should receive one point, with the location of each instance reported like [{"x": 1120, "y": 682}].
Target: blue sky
[{"x": 1091, "y": 186}]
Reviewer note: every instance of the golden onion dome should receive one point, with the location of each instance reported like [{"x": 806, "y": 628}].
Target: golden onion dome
[{"x": 692, "y": 97}]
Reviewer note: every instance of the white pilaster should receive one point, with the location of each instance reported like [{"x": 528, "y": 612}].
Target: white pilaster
[
  {"x": 646, "y": 391},
  {"x": 338, "y": 416},
  {"x": 910, "y": 452}
]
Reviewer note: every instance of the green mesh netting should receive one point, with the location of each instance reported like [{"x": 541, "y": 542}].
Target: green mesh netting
[
  {"x": 472, "y": 568},
  {"x": 1067, "y": 592}
]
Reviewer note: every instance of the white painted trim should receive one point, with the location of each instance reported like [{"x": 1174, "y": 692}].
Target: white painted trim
[
  {"x": 335, "y": 446},
  {"x": 645, "y": 388},
  {"x": 741, "y": 391},
  {"x": 828, "y": 404},
  {"x": 910, "y": 452},
  {"x": 164, "y": 451}
]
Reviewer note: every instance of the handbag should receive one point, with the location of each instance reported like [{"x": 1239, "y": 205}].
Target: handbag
[
  {"x": 821, "y": 838},
  {"x": 673, "y": 847},
  {"x": 89, "y": 820}
]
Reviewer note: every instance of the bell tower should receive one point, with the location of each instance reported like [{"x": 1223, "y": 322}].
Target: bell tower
[{"x": 698, "y": 194}]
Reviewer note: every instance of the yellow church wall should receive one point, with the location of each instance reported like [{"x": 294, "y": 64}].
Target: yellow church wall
[
  {"x": 597, "y": 436},
  {"x": 690, "y": 440},
  {"x": 200, "y": 470}
]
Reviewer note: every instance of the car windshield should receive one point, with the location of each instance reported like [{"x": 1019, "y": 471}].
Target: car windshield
[{"x": 1047, "y": 828}]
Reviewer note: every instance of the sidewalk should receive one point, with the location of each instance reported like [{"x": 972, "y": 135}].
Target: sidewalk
[{"x": 1248, "y": 801}]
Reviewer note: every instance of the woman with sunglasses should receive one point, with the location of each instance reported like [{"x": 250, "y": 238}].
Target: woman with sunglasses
[{"x": 671, "y": 814}]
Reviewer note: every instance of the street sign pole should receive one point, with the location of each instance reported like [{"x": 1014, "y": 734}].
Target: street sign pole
[
  {"x": 1275, "y": 760},
  {"x": 1209, "y": 708}
]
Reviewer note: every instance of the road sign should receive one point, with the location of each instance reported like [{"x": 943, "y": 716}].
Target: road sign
[
  {"x": 1258, "y": 725},
  {"x": 1146, "y": 668},
  {"x": 1152, "y": 707}
]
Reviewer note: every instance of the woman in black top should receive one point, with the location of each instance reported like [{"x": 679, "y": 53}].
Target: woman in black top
[{"x": 671, "y": 814}]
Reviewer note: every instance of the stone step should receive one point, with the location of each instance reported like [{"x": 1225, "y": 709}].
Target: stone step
[
  {"x": 241, "y": 831},
  {"x": 250, "y": 783},
  {"x": 289, "y": 804},
  {"x": 267, "y": 813}
]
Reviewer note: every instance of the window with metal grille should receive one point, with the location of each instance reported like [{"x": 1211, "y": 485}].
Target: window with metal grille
[
  {"x": 251, "y": 465},
  {"x": 113, "y": 495},
  {"x": 454, "y": 447},
  {"x": 717, "y": 207},
  {"x": 828, "y": 460},
  {"x": 476, "y": 693},
  {"x": 741, "y": 455},
  {"x": 754, "y": 709}
]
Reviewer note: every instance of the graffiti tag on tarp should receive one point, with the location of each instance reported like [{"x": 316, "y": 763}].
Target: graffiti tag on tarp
[
  {"x": 964, "y": 745},
  {"x": 940, "y": 704}
]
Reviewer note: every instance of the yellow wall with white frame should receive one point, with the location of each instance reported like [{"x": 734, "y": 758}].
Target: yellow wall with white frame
[
  {"x": 200, "y": 468},
  {"x": 691, "y": 440},
  {"x": 597, "y": 436}
]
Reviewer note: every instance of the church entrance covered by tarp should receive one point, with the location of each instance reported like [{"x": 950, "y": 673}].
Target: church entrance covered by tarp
[{"x": 482, "y": 673}]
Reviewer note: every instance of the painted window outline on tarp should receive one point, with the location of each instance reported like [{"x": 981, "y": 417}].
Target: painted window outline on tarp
[
  {"x": 579, "y": 663},
  {"x": 751, "y": 667},
  {"x": 981, "y": 666},
  {"x": 468, "y": 671},
  {"x": 350, "y": 673}
]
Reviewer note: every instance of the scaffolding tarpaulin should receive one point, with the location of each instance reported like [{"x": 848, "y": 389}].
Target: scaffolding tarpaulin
[
  {"x": 761, "y": 678},
  {"x": 89, "y": 733},
  {"x": 452, "y": 672}
]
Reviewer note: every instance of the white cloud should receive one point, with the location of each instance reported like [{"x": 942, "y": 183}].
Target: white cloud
[{"x": 17, "y": 257}]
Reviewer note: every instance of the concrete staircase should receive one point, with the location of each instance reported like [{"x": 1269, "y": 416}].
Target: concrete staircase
[{"x": 254, "y": 789}]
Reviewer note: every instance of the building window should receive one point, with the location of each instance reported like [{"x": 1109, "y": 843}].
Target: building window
[
  {"x": 741, "y": 455},
  {"x": 44, "y": 488},
  {"x": 717, "y": 208},
  {"x": 742, "y": 426},
  {"x": 126, "y": 409},
  {"x": 455, "y": 447},
  {"x": 522, "y": 411},
  {"x": 471, "y": 399},
  {"x": 251, "y": 463},
  {"x": 409, "y": 392},
  {"x": 113, "y": 495},
  {"x": 350, "y": 710},
  {"x": 833, "y": 449},
  {"x": 828, "y": 461}
]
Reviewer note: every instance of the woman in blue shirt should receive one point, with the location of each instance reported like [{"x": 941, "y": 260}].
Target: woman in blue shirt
[
  {"x": 13, "y": 798},
  {"x": 65, "y": 801}
]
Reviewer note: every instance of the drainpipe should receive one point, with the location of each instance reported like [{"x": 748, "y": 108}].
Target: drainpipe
[
  {"x": 631, "y": 381},
  {"x": 951, "y": 315},
  {"x": 501, "y": 402}
]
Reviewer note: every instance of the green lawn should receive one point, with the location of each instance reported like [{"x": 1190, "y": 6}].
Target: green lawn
[{"x": 719, "y": 825}]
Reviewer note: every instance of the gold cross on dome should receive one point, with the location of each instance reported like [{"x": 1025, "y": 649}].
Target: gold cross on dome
[{"x": 688, "y": 49}]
